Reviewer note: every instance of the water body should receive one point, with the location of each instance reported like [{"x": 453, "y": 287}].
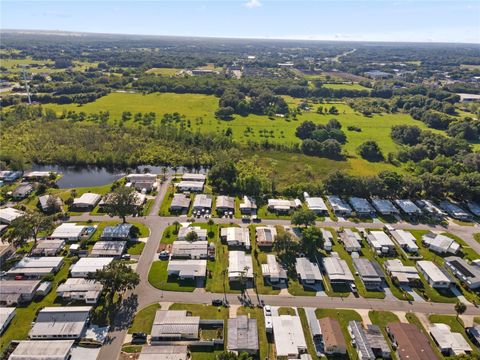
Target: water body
[{"x": 73, "y": 177}]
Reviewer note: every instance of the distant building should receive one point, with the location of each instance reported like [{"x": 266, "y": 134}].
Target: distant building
[
  {"x": 377, "y": 74},
  {"x": 466, "y": 273},
  {"x": 283, "y": 205},
  {"x": 194, "y": 177},
  {"x": 203, "y": 203},
  {"x": 68, "y": 232},
  {"x": 369, "y": 272},
  {"x": 22, "y": 191},
  {"x": 78, "y": 289},
  {"x": 117, "y": 232},
  {"x": 361, "y": 206},
  {"x": 89, "y": 265},
  {"x": 37, "y": 175},
  {"x": 242, "y": 335},
  {"x": 384, "y": 206},
  {"x": 337, "y": 270},
  {"x": 440, "y": 244},
  {"x": 180, "y": 203},
  {"x": 468, "y": 98},
  {"x": 408, "y": 207},
  {"x": 225, "y": 203},
  {"x": 36, "y": 267},
  {"x": 190, "y": 249},
  {"x": 187, "y": 269},
  {"x": 48, "y": 247},
  {"x": 450, "y": 343},
  {"x": 10, "y": 176},
  {"x": 274, "y": 272},
  {"x": 381, "y": 243},
  {"x": 17, "y": 291},
  {"x": 405, "y": 240},
  {"x": 87, "y": 201},
  {"x": 339, "y": 207},
  {"x": 435, "y": 276},
  {"x": 175, "y": 325},
  {"x": 236, "y": 236},
  {"x": 64, "y": 322},
  {"x": 8, "y": 214},
  {"x": 308, "y": 272},
  {"x": 184, "y": 231},
  {"x": 317, "y": 205},
  {"x": 265, "y": 235},
  {"x": 248, "y": 206},
  {"x": 332, "y": 336},
  {"x": 411, "y": 344},
  {"x": 42, "y": 350},
  {"x": 351, "y": 240},
  {"x": 455, "y": 211},
  {"x": 191, "y": 186},
  {"x": 402, "y": 274},
  {"x": 289, "y": 338},
  {"x": 46, "y": 201},
  {"x": 240, "y": 266},
  {"x": 6, "y": 316},
  {"x": 327, "y": 239},
  {"x": 107, "y": 249}
]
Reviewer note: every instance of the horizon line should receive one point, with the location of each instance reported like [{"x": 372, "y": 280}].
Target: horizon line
[{"x": 73, "y": 32}]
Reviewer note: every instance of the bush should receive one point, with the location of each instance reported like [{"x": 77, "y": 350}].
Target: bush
[{"x": 370, "y": 150}]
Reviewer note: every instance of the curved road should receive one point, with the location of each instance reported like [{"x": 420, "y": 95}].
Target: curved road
[{"x": 145, "y": 294}]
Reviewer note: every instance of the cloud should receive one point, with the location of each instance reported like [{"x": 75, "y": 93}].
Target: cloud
[{"x": 251, "y": 4}]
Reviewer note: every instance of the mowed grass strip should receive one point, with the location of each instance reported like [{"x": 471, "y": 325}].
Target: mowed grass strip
[{"x": 143, "y": 321}]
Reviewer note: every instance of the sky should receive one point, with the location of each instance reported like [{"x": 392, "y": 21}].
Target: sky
[{"x": 380, "y": 20}]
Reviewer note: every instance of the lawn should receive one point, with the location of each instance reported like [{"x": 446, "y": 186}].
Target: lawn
[
  {"x": 206, "y": 312},
  {"x": 169, "y": 234},
  {"x": 144, "y": 319},
  {"x": 456, "y": 325},
  {"x": 158, "y": 277},
  {"x": 476, "y": 236},
  {"x": 163, "y": 71},
  {"x": 167, "y": 201},
  {"x": 135, "y": 247},
  {"x": 343, "y": 316},
  {"x": 352, "y": 86},
  {"x": 286, "y": 311},
  {"x": 199, "y": 111},
  {"x": 307, "y": 334},
  {"x": 21, "y": 323}
]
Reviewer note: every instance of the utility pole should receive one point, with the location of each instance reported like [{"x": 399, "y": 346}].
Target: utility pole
[{"x": 27, "y": 87}]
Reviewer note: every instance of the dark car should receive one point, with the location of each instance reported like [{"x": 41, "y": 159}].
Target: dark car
[
  {"x": 139, "y": 338},
  {"x": 217, "y": 302}
]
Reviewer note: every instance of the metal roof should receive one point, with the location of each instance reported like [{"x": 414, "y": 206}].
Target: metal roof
[
  {"x": 307, "y": 270},
  {"x": 42, "y": 350},
  {"x": 119, "y": 231},
  {"x": 242, "y": 334}
]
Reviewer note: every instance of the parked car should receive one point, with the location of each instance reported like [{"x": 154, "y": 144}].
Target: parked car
[
  {"x": 139, "y": 338},
  {"x": 353, "y": 288},
  {"x": 217, "y": 302},
  {"x": 164, "y": 255}
]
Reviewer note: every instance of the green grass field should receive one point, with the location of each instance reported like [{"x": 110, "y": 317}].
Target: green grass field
[
  {"x": 353, "y": 86},
  {"x": 144, "y": 319},
  {"x": 199, "y": 110},
  {"x": 40, "y": 66},
  {"x": 163, "y": 71},
  {"x": 158, "y": 277}
]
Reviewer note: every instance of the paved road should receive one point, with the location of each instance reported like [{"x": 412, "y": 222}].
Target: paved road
[{"x": 145, "y": 294}]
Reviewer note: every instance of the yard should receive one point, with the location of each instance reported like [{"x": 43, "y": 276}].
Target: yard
[
  {"x": 206, "y": 312},
  {"x": 144, "y": 319},
  {"x": 158, "y": 277},
  {"x": 307, "y": 334}
]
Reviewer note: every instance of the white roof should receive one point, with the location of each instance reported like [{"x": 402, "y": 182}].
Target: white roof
[
  {"x": 111, "y": 248},
  {"x": 79, "y": 285},
  {"x": 183, "y": 231},
  {"x": 384, "y": 206},
  {"x": 203, "y": 201},
  {"x": 351, "y": 240},
  {"x": 289, "y": 337},
  {"x": 432, "y": 271},
  {"x": 446, "y": 339},
  {"x": 42, "y": 350},
  {"x": 441, "y": 243},
  {"x": 9, "y": 214},
  {"x": 225, "y": 202},
  {"x": 281, "y": 203},
  {"x": 338, "y": 204},
  {"x": 194, "y": 177},
  {"x": 337, "y": 269},
  {"x": 400, "y": 271},
  {"x": 45, "y": 198},
  {"x": 408, "y": 206},
  {"x": 90, "y": 199},
  {"x": 361, "y": 205},
  {"x": 141, "y": 177},
  {"x": 265, "y": 235},
  {"x": 174, "y": 323},
  {"x": 236, "y": 235},
  {"x": 68, "y": 231},
  {"x": 188, "y": 268},
  {"x": 37, "y": 174},
  {"x": 248, "y": 203},
  {"x": 405, "y": 238},
  {"x": 273, "y": 269},
  {"x": 316, "y": 203},
  {"x": 5, "y": 315},
  {"x": 307, "y": 270},
  {"x": 191, "y": 185},
  {"x": 60, "y": 321},
  {"x": 190, "y": 248},
  {"x": 90, "y": 265},
  {"x": 237, "y": 261},
  {"x": 379, "y": 239},
  {"x": 37, "y": 265}
]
